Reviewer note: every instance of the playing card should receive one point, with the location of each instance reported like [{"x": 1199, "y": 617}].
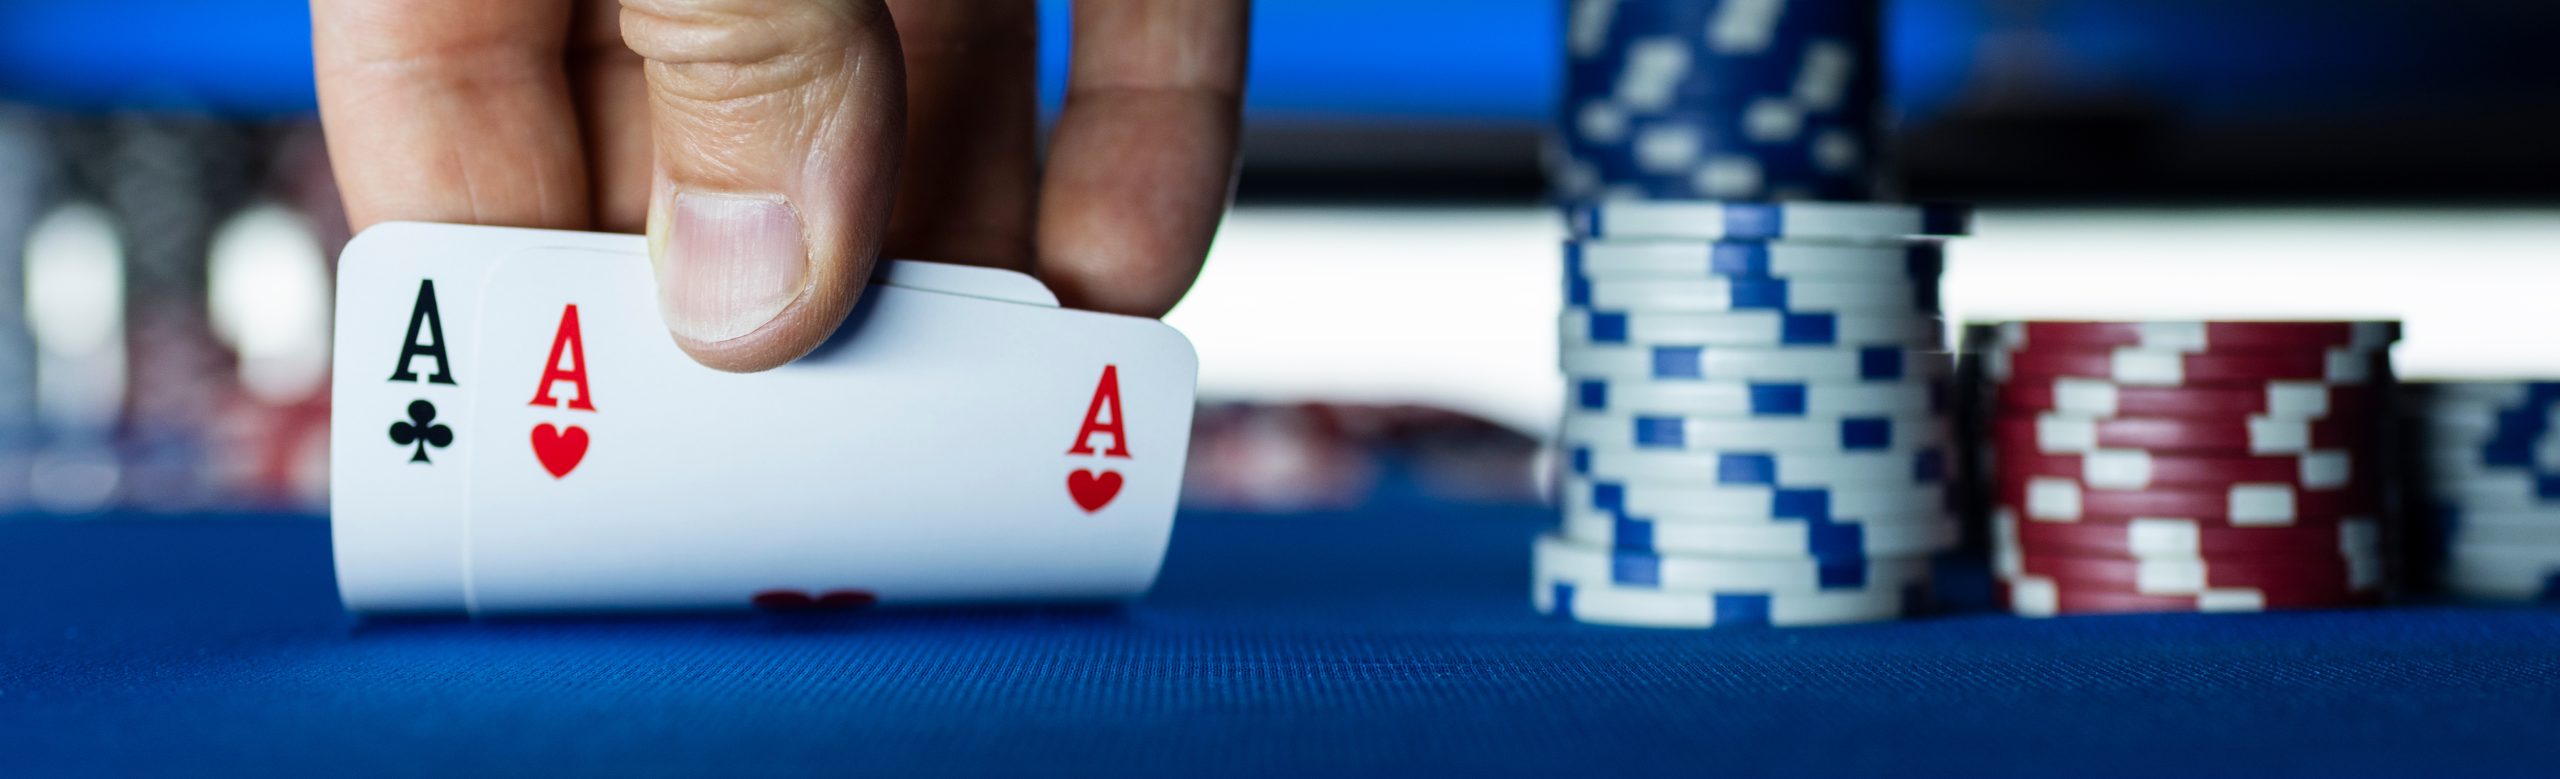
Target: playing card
[
  {"x": 941, "y": 448},
  {"x": 400, "y": 431},
  {"x": 971, "y": 280},
  {"x": 398, "y": 439}
]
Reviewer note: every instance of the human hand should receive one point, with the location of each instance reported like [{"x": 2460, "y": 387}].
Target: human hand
[{"x": 773, "y": 150}]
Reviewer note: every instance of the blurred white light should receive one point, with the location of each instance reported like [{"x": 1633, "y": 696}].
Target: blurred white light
[
  {"x": 75, "y": 280},
  {"x": 74, "y": 265},
  {"x": 269, "y": 287},
  {"x": 2474, "y": 287},
  {"x": 75, "y": 312},
  {"x": 1449, "y": 307},
  {"x": 74, "y": 481},
  {"x": 1455, "y": 307}
]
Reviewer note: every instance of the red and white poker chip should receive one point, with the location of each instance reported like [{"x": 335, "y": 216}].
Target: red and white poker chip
[
  {"x": 2246, "y": 504},
  {"x": 2325, "y": 469},
  {"x": 2035, "y": 596},
  {"x": 2165, "y": 368},
  {"x": 2201, "y": 336},
  {"x": 2071, "y": 434},
  {"x": 2157, "y": 537},
  {"x": 2287, "y": 399},
  {"x": 2336, "y": 575}
]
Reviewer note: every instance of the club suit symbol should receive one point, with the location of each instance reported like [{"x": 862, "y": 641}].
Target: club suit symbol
[{"x": 421, "y": 431}]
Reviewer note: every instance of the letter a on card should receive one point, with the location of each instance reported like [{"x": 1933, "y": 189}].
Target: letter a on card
[
  {"x": 559, "y": 448},
  {"x": 1093, "y": 489}
]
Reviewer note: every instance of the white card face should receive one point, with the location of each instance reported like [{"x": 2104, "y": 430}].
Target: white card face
[
  {"x": 399, "y": 436},
  {"x": 941, "y": 448},
  {"x": 971, "y": 280},
  {"x": 407, "y": 313}
]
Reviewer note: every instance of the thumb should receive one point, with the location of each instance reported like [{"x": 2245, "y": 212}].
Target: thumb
[{"x": 777, "y": 128}]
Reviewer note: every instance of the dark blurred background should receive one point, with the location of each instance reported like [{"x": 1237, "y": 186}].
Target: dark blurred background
[{"x": 167, "y": 220}]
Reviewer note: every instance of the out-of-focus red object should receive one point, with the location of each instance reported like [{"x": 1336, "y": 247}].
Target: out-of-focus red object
[{"x": 1308, "y": 456}]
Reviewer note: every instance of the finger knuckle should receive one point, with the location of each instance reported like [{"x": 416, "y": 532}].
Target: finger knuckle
[{"x": 732, "y": 46}]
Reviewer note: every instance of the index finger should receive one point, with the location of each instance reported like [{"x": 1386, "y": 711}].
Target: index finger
[
  {"x": 450, "y": 111},
  {"x": 1143, "y": 158}
]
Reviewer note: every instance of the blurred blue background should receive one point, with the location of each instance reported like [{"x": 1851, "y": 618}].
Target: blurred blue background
[
  {"x": 1491, "y": 61},
  {"x": 2004, "y": 99},
  {"x": 161, "y": 169}
]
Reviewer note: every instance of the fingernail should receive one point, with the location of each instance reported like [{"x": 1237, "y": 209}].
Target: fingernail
[{"x": 732, "y": 263}]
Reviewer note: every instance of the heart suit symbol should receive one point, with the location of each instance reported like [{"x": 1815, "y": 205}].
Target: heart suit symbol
[
  {"x": 1093, "y": 491},
  {"x": 559, "y": 450}
]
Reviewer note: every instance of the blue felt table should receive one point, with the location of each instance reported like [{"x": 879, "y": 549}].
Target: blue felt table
[{"x": 1372, "y": 643}]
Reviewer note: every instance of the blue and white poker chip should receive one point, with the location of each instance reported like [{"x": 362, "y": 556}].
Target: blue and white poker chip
[
  {"x": 1750, "y": 364},
  {"x": 1563, "y": 558},
  {"x": 2513, "y": 583},
  {"x": 2466, "y": 418},
  {"x": 1598, "y": 602},
  {"x": 2492, "y": 450},
  {"x": 1921, "y": 464},
  {"x": 2486, "y": 413},
  {"x": 2494, "y": 483},
  {"x": 1819, "y": 539},
  {"x": 1804, "y": 434},
  {"x": 2472, "y": 432},
  {"x": 2510, "y": 535},
  {"x": 1722, "y": 502},
  {"x": 2503, "y": 572},
  {"x": 2457, "y": 459},
  {"x": 1723, "y": 154},
  {"x": 1582, "y": 327},
  {"x": 2508, "y": 394},
  {"x": 2493, "y": 479},
  {"x": 2527, "y": 453},
  {"x": 2453, "y": 516},
  {"x": 1810, "y": 219},
  {"x": 1754, "y": 399},
  {"x": 1653, "y": 55},
  {"x": 1747, "y": 259},
  {"x": 1717, "y": 293},
  {"x": 1658, "y": 56},
  {"x": 2492, "y": 490},
  {"x": 1740, "y": 99}
]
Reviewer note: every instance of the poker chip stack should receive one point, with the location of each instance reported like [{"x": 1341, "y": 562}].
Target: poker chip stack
[
  {"x": 1754, "y": 430},
  {"x": 2188, "y": 466},
  {"x": 1755, "y": 423},
  {"x": 168, "y": 179},
  {"x": 2488, "y": 466},
  {"x": 1721, "y": 99}
]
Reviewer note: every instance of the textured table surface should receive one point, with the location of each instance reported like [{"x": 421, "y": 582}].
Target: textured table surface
[{"x": 1383, "y": 642}]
